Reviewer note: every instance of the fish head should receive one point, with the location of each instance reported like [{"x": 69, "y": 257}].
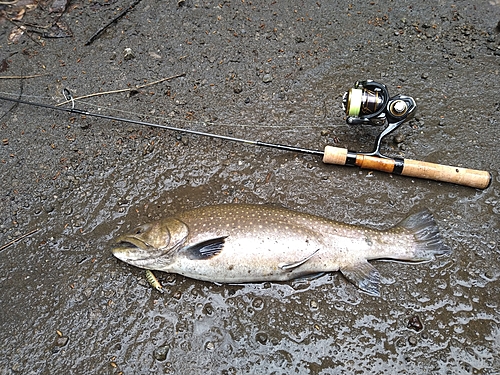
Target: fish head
[{"x": 153, "y": 245}]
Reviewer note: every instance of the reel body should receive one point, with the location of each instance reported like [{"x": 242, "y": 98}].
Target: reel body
[{"x": 369, "y": 102}]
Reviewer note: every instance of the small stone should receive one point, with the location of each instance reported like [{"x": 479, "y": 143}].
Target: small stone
[
  {"x": 267, "y": 78},
  {"x": 415, "y": 323},
  {"x": 208, "y": 309},
  {"x": 424, "y": 75},
  {"x": 160, "y": 354},
  {"x": 412, "y": 340},
  {"x": 61, "y": 341},
  {"x": 128, "y": 54},
  {"x": 399, "y": 138},
  {"x": 210, "y": 345},
  {"x": 177, "y": 295}
]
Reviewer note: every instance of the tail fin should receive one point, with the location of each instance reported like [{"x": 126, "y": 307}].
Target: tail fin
[{"x": 427, "y": 238}]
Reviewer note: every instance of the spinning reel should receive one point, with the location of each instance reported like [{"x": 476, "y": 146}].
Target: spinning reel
[{"x": 368, "y": 102}]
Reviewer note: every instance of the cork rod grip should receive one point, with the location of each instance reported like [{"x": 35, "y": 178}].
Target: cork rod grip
[{"x": 407, "y": 167}]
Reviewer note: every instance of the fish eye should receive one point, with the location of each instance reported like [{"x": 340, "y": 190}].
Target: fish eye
[{"x": 141, "y": 229}]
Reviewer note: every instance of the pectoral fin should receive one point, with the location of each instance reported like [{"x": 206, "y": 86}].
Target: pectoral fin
[
  {"x": 364, "y": 276},
  {"x": 205, "y": 249},
  {"x": 289, "y": 266}
]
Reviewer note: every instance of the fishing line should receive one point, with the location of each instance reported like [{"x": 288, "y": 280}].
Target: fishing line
[{"x": 101, "y": 108}]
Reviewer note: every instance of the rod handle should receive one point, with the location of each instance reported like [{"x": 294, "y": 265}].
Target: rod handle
[{"x": 407, "y": 167}]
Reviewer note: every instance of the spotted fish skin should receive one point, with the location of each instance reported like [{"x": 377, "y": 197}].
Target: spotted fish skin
[{"x": 237, "y": 243}]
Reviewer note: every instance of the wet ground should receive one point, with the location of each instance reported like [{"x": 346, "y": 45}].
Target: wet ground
[{"x": 271, "y": 71}]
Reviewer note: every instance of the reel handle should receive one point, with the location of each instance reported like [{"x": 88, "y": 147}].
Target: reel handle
[{"x": 407, "y": 167}]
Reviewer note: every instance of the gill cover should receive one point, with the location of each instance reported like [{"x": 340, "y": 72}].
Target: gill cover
[
  {"x": 159, "y": 237},
  {"x": 168, "y": 234}
]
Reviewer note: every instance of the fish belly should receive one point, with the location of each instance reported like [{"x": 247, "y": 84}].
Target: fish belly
[{"x": 245, "y": 259}]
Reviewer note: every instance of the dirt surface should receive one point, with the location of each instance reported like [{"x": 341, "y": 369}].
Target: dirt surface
[{"x": 273, "y": 71}]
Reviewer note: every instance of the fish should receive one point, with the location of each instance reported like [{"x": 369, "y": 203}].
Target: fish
[{"x": 250, "y": 243}]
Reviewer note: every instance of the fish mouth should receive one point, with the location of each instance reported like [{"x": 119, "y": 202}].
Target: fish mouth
[
  {"x": 129, "y": 242},
  {"x": 131, "y": 249}
]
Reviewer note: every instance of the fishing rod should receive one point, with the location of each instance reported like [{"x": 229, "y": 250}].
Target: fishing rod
[{"x": 368, "y": 102}]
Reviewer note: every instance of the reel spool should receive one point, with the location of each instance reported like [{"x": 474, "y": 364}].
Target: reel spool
[{"x": 369, "y": 102}]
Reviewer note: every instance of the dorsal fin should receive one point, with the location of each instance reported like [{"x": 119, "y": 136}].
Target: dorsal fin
[{"x": 205, "y": 249}]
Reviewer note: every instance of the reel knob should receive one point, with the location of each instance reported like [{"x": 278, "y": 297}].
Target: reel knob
[{"x": 398, "y": 108}]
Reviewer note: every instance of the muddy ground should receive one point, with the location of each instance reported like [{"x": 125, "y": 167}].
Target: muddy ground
[{"x": 273, "y": 71}]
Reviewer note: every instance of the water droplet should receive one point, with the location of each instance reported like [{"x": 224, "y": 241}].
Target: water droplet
[{"x": 261, "y": 338}]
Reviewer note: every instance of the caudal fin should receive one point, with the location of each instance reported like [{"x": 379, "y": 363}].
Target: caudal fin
[{"x": 428, "y": 240}]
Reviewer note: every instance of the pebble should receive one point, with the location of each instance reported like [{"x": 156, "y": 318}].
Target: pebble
[
  {"x": 238, "y": 89},
  {"x": 208, "y": 309},
  {"x": 399, "y": 138},
  {"x": 210, "y": 345},
  {"x": 160, "y": 354},
  {"x": 412, "y": 340},
  {"x": 424, "y": 75},
  {"x": 61, "y": 341},
  {"x": 128, "y": 54},
  {"x": 415, "y": 323},
  {"x": 267, "y": 78}
]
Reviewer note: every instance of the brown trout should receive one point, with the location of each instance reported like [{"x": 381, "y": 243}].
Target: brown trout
[{"x": 237, "y": 243}]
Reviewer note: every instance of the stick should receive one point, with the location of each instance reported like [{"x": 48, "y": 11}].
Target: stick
[
  {"x": 122, "y": 90},
  {"x": 22, "y": 77},
  {"x": 407, "y": 167},
  {"x": 99, "y": 32},
  {"x": 19, "y": 239}
]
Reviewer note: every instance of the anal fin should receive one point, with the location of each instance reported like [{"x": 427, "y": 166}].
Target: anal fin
[{"x": 364, "y": 276}]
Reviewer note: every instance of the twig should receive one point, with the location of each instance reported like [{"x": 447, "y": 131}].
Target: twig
[
  {"x": 123, "y": 90},
  {"x": 21, "y": 86},
  {"x": 98, "y": 32},
  {"x": 22, "y": 77},
  {"x": 24, "y": 30},
  {"x": 19, "y": 238}
]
